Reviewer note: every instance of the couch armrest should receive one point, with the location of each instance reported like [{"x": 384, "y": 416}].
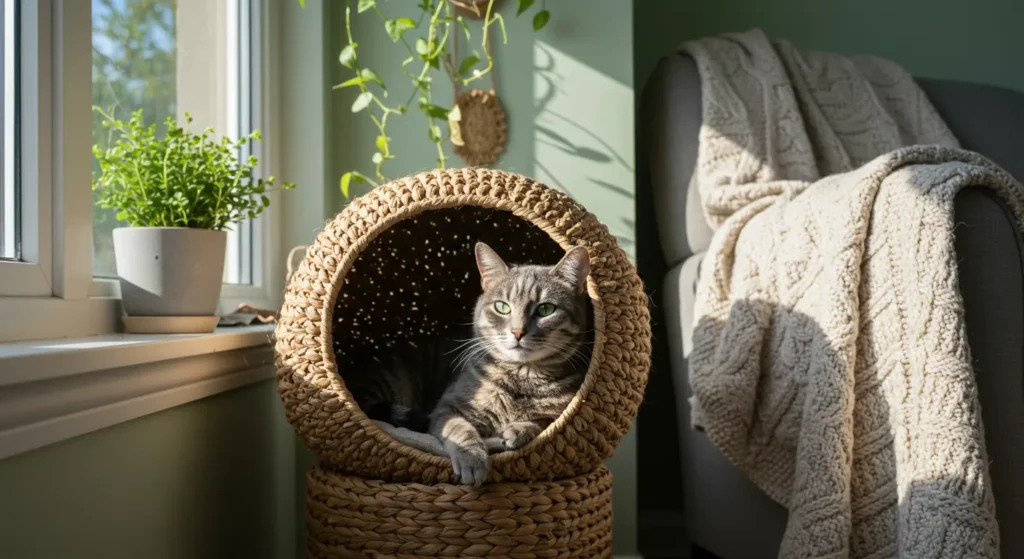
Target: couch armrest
[
  {"x": 669, "y": 123},
  {"x": 988, "y": 248}
]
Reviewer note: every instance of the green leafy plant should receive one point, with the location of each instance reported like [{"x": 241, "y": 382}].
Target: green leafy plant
[
  {"x": 427, "y": 35},
  {"x": 180, "y": 179}
]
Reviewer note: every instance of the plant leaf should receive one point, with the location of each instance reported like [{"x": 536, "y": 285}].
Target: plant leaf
[
  {"x": 369, "y": 75},
  {"x": 382, "y": 143},
  {"x": 351, "y": 177},
  {"x": 377, "y": 158},
  {"x": 467, "y": 64},
  {"x": 362, "y": 101},
  {"x": 454, "y": 128},
  {"x": 523, "y": 6},
  {"x": 346, "y": 180},
  {"x": 541, "y": 19},
  {"x": 434, "y": 133},
  {"x": 350, "y": 82},
  {"x": 366, "y": 5},
  {"x": 302, "y": 3},
  {"x": 437, "y": 112},
  {"x": 422, "y": 48},
  {"x": 396, "y": 27},
  {"x": 348, "y": 56}
]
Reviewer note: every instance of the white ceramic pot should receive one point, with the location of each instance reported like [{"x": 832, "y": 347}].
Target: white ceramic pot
[{"x": 170, "y": 271}]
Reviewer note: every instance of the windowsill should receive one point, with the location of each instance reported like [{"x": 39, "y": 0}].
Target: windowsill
[
  {"x": 52, "y": 390},
  {"x": 46, "y": 359}
]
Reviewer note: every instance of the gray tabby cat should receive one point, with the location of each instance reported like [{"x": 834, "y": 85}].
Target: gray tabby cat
[{"x": 525, "y": 360}]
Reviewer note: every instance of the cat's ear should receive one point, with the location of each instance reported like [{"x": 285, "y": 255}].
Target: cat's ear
[
  {"x": 574, "y": 268},
  {"x": 492, "y": 267}
]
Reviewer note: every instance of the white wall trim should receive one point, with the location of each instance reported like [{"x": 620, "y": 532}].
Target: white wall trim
[{"x": 56, "y": 391}]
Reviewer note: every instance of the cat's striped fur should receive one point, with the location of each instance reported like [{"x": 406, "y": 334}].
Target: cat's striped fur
[{"x": 517, "y": 370}]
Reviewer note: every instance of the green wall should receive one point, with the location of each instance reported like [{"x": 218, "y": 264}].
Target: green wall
[
  {"x": 213, "y": 478},
  {"x": 977, "y": 40}
]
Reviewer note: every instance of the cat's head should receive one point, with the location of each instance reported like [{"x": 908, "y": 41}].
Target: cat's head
[{"x": 528, "y": 314}]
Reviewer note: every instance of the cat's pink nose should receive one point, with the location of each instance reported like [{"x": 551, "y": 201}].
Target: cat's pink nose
[{"x": 518, "y": 334}]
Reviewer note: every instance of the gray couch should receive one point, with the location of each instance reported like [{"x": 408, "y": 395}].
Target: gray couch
[{"x": 691, "y": 499}]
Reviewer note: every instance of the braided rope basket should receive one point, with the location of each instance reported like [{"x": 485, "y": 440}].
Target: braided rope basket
[
  {"x": 397, "y": 265},
  {"x": 352, "y": 517}
]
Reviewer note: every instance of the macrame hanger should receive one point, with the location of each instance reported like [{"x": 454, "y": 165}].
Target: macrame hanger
[{"x": 482, "y": 133}]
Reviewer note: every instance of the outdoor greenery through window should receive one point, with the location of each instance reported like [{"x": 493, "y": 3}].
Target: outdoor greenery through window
[
  {"x": 10, "y": 228},
  {"x": 168, "y": 58},
  {"x": 133, "y": 67}
]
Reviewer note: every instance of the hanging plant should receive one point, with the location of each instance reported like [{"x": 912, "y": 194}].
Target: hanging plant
[{"x": 426, "y": 34}]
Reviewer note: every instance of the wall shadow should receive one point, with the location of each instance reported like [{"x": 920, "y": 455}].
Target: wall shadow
[{"x": 574, "y": 151}]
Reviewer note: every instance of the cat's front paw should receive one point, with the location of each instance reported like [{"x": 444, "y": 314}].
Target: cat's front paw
[
  {"x": 471, "y": 464},
  {"x": 518, "y": 434}
]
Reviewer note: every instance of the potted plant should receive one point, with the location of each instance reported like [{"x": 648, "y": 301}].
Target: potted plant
[{"x": 178, "y": 193}]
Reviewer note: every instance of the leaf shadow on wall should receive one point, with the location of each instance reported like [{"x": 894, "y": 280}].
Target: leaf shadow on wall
[{"x": 576, "y": 142}]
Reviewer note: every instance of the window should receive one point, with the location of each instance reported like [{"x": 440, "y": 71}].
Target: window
[
  {"x": 10, "y": 229},
  {"x": 133, "y": 67},
  {"x": 168, "y": 57},
  {"x": 163, "y": 56}
]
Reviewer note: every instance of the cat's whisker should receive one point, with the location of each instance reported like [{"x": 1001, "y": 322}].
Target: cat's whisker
[
  {"x": 460, "y": 346},
  {"x": 470, "y": 341},
  {"x": 576, "y": 356},
  {"x": 465, "y": 353},
  {"x": 482, "y": 346}
]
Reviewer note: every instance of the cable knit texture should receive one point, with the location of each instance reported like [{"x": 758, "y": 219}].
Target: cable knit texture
[{"x": 830, "y": 359}]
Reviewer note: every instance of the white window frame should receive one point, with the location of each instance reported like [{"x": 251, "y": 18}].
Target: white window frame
[
  {"x": 32, "y": 276},
  {"x": 52, "y": 293}
]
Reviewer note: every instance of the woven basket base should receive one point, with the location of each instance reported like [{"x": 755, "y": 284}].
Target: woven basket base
[{"x": 353, "y": 517}]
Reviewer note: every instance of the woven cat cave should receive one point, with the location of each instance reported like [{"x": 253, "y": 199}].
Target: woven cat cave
[{"x": 397, "y": 265}]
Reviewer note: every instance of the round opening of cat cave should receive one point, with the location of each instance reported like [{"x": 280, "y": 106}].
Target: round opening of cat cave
[
  {"x": 402, "y": 267},
  {"x": 407, "y": 307}
]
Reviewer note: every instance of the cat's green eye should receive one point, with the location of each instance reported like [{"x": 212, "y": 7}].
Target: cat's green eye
[
  {"x": 502, "y": 307},
  {"x": 545, "y": 309}
]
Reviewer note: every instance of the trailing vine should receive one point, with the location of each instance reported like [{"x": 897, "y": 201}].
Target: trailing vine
[{"x": 426, "y": 38}]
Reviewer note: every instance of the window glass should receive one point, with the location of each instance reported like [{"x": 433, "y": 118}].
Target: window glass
[
  {"x": 134, "y": 66},
  {"x": 10, "y": 226}
]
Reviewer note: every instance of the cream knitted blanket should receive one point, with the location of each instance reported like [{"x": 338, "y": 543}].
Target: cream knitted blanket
[{"x": 830, "y": 360}]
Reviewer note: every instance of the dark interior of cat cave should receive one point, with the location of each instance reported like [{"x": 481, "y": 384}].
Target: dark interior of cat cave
[{"x": 418, "y": 279}]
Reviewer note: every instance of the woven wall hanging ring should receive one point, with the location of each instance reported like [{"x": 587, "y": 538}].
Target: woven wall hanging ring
[
  {"x": 481, "y": 134},
  {"x": 484, "y": 127}
]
